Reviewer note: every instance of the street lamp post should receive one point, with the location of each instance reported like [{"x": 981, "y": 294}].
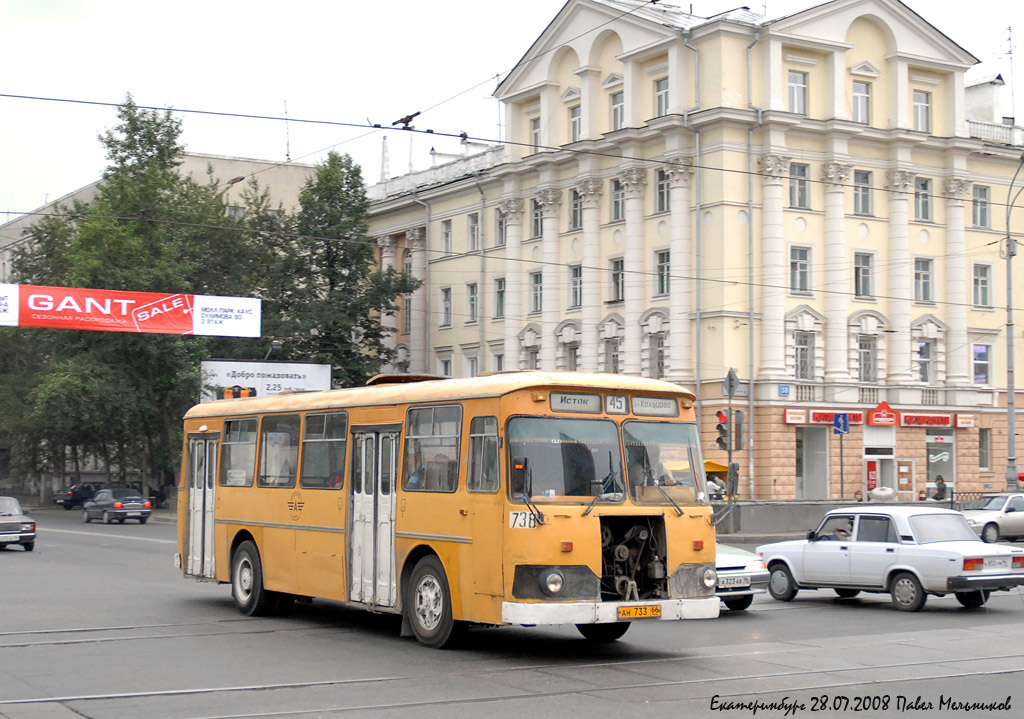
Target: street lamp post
[{"x": 1012, "y": 479}]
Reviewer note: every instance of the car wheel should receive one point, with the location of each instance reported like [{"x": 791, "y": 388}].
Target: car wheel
[
  {"x": 738, "y": 604},
  {"x": 106, "y": 517},
  {"x": 85, "y": 516},
  {"x": 847, "y": 593},
  {"x": 974, "y": 599},
  {"x": 251, "y": 598},
  {"x": 603, "y": 633},
  {"x": 428, "y": 605},
  {"x": 990, "y": 533},
  {"x": 142, "y": 520},
  {"x": 907, "y": 593},
  {"x": 781, "y": 584},
  {"x": 67, "y": 506},
  {"x": 3, "y": 546},
  {"x": 29, "y": 546}
]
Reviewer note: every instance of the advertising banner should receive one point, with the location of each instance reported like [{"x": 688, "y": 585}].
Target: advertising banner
[
  {"x": 77, "y": 308},
  {"x": 240, "y": 378}
]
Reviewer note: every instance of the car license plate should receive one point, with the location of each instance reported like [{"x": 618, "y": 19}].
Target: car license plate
[
  {"x": 647, "y": 611},
  {"x": 997, "y": 562},
  {"x": 134, "y": 514},
  {"x": 733, "y": 581}
]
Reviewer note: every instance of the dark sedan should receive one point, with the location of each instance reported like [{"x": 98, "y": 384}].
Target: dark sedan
[
  {"x": 77, "y": 494},
  {"x": 116, "y": 504},
  {"x": 16, "y": 527}
]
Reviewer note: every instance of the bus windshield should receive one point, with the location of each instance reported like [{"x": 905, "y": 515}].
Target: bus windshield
[
  {"x": 556, "y": 459},
  {"x": 663, "y": 462}
]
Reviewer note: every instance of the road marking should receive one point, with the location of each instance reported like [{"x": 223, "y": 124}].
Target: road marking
[{"x": 48, "y": 530}]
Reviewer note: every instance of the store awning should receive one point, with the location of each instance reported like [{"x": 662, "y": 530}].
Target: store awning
[{"x": 710, "y": 466}]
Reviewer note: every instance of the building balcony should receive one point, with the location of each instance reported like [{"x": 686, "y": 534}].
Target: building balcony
[{"x": 996, "y": 132}]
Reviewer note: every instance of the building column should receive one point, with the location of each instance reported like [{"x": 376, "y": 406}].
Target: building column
[
  {"x": 900, "y": 184},
  {"x": 773, "y": 269},
  {"x": 387, "y": 320},
  {"x": 550, "y": 200},
  {"x": 958, "y": 359},
  {"x": 633, "y": 181},
  {"x": 415, "y": 240},
  {"x": 681, "y": 366},
  {"x": 589, "y": 191},
  {"x": 512, "y": 210},
  {"x": 837, "y": 278}
]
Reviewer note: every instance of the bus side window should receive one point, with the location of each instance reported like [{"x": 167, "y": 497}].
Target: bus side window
[
  {"x": 279, "y": 450},
  {"x": 238, "y": 451},
  {"x": 432, "y": 441},
  {"x": 483, "y": 455},
  {"x": 324, "y": 442}
]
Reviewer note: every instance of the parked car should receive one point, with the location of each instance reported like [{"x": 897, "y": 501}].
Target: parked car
[
  {"x": 77, "y": 494},
  {"x": 741, "y": 575},
  {"x": 908, "y": 552},
  {"x": 997, "y": 516},
  {"x": 16, "y": 527},
  {"x": 116, "y": 504}
]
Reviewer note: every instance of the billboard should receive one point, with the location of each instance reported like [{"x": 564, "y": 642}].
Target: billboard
[
  {"x": 79, "y": 308},
  {"x": 240, "y": 378}
]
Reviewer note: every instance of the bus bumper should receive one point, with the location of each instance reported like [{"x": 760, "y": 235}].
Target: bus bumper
[{"x": 605, "y": 612}]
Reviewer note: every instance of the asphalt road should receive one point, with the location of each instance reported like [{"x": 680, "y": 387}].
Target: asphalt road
[{"x": 98, "y": 623}]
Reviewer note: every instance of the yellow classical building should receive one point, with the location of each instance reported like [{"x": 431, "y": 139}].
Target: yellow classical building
[{"x": 817, "y": 202}]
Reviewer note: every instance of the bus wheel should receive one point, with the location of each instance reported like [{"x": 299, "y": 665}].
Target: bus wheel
[
  {"x": 603, "y": 633},
  {"x": 429, "y": 604},
  {"x": 251, "y": 598}
]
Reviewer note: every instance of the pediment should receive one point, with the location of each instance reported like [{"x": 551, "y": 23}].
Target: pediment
[
  {"x": 571, "y": 94},
  {"x": 865, "y": 69},
  {"x": 613, "y": 80}
]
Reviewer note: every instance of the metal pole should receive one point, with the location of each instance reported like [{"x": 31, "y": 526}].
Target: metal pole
[{"x": 1011, "y": 418}]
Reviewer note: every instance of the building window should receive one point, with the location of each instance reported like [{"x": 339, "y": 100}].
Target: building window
[
  {"x": 799, "y": 185},
  {"x": 472, "y": 366},
  {"x": 446, "y": 307},
  {"x": 576, "y": 286},
  {"x": 471, "y": 302},
  {"x": 618, "y": 201},
  {"x": 499, "y": 362},
  {"x": 800, "y": 269},
  {"x": 867, "y": 359},
  {"x": 572, "y": 357},
  {"x": 657, "y": 351},
  {"x": 618, "y": 280},
  {"x": 803, "y": 355},
  {"x": 661, "y": 192},
  {"x": 575, "y": 210},
  {"x": 862, "y": 274},
  {"x": 661, "y": 97},
  {"x": 499, "y": 298},
  {"x": 981, "y": 206},
  {"x": 611, "y": 355},
  {"x": 533, "y": 359},
  {"x": 536, "y": 219},
  {"x": 446, "y": 237},
  {"x": 982, "y": 360},
  {"x": 664, "y": 270},
  {"x": 982, "y": 286},
  {"x": 407, "y": 321},
  {"x": 446, "y": 367},
  {"x": 861, "y": 102},
  {"x": 922, "y": 111},
  {"x": 618, "y": 110},
  {"x": 984, "y": 448},
  {"x": 536, "y": 291},
  {"x": 575, "y": 124},
  {"x": 798, "y": 92},
  {"x": 922, "y": 198},
  {"x": 535, "y": 134},
  {"x": 923, "y": 280},
  {"x": 862, "y": 193},
  {"x": 925, "y": 355},
  {"x": 500, "y": 228},
  {"x": 473, "y": 231}
]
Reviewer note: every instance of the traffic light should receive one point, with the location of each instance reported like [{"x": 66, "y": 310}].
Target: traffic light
[
  {"x": 723, "y": 430},
  {"x": 739, "y": 430}
]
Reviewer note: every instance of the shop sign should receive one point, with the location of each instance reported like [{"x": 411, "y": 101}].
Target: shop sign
[
  {"x": 926, "y": 420},
  {"x": 883, "y": 416},
  {"x": 964, "y": 421},
  {"x": 796, "y": 416},
  {"x": 872, "y": 475}
]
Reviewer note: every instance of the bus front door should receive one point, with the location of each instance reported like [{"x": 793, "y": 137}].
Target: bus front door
[
  {"x": 371, "y": 553},
  {"x": 201, "y": 480}
]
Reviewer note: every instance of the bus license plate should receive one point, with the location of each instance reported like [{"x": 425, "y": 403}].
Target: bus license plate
[{"x": 647, "y": 611}]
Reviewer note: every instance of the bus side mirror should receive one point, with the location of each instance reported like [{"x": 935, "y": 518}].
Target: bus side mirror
[
  {"x": 519, "y": 469},
  {"x": 733, "y": 479}
]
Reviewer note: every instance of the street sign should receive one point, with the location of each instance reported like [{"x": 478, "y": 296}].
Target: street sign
[
  {"x": 731, "y": 383},
  {"x": 841, "y": 424}
]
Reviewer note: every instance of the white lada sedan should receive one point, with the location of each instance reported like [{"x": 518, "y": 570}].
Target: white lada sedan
[{"x": 908, "y": 552}]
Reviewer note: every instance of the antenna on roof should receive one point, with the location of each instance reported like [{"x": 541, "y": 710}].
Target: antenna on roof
[{"x": 287, "y": 137}]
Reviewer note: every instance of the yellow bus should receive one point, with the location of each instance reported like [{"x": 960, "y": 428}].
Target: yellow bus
[{"x": 528, "y": 498}]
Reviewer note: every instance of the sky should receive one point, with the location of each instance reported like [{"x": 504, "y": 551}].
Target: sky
[{"x": 322, "y": 63}]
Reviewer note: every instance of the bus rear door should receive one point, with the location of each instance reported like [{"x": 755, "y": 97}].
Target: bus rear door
[
  {"x": 371, "y": 553},
  {"x": 201, "y": 481}
]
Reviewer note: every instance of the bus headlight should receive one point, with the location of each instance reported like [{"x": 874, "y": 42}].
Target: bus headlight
[
  {"x": 552, "y": 582},
  {"x": 709, "y": 577}
]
